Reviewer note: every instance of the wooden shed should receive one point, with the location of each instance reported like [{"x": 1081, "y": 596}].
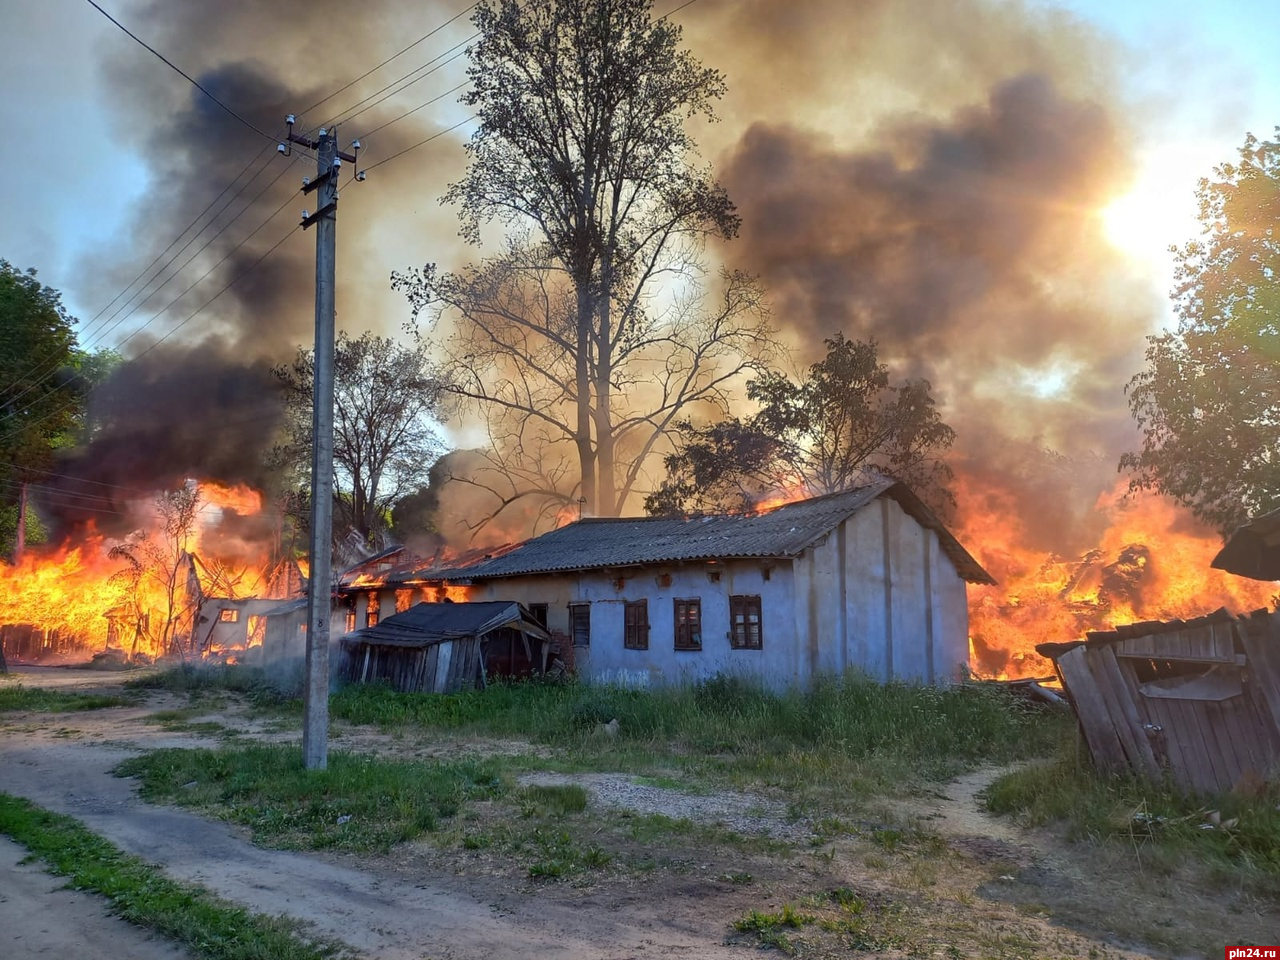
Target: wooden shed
[
  {"x": 1196, "y": 701},
  {"x": 446, "y": 647}
]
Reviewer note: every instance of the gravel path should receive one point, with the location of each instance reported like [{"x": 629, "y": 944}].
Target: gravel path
[{"x": 740, "y": 812}]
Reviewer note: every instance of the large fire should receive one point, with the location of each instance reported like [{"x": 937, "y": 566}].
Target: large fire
[
  {"x": 1152, "y": 562},
  {"x": 143, "y": 594},
  {"x": 140, "y": 593}
]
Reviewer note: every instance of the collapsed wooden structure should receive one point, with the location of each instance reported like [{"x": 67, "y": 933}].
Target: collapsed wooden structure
[
  {"x": 1196, "y": 701},
  {"x": 446, "y": 647}
]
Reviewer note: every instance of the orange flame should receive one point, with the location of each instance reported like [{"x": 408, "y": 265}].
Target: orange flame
[
  {"x": 142, "y": 593},
  {"x": 1150, "y": 563}
]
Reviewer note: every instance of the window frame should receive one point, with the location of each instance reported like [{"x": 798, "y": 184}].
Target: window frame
[
  {"x": 687, "y": 625},
  {"x": 742, "y": 606},
  {"x": 635, "y": 629},
  {"x": 228, "y": 615},
  {"x": 580, "y": 609}
]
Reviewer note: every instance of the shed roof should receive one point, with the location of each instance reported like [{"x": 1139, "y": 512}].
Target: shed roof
[
  {"x": 782, "y": 533},
  {"x": 427, "y": 623},
  {"x": 1253, "y": 550}
]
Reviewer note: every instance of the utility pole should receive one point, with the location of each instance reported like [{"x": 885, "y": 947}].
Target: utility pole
[{"x": 315, "y": 693}]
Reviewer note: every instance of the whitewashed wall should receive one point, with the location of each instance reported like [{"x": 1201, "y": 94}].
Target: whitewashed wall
[{"x": 877, "y": 595}]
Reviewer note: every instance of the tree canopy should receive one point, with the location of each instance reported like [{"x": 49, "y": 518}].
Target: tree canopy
[
  {"x": 582, "y": 107},
  {"x": 828, "y": 432},
  {"x": 1208, "y": 402},
  {"x": 42, "y": 384},
  {"x": 387, "y": 404}
]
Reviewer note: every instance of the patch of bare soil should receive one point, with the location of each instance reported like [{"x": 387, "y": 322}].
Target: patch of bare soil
[
  {"x": 1097, "y": 890},
  {"x": 966, "y": 884},
  {"x": 41, "y": 918}
]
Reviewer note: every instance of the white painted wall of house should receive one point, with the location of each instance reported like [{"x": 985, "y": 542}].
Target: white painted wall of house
[{"x": 877, "y": 594}]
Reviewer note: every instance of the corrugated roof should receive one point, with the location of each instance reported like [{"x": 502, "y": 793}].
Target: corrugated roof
[
  {"x": 782, "y": 533},
  {"x": 427, "y": 623}
]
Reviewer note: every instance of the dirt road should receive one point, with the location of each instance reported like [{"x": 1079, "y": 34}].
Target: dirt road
[{"x": 378, "y": 914}]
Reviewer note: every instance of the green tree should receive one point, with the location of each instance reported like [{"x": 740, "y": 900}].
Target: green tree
[
  {"x": 387, "y": 404},
  {"x": 845, "y": 422},
  {"x": 1208, "y": 402},
  {"x": 41, "y": 389},
  {"x": 582, "y": 107}
]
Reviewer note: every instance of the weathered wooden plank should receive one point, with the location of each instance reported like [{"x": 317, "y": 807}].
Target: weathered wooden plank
[
  {"x": 1220, "y": 726},
  {"x": 1164, "y": 725},
  {"x": 1141, "y": 647},
  {"x": 1126, "y": 695},
  {"x": 1264, "y": 666},
  {"x": 1202, "y": 764},
  {"x": 1111, "y": 691},
  {"x": 1095, "y": 720}
]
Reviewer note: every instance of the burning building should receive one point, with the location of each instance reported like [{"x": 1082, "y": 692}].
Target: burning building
[{"x": 867, "y": 580}]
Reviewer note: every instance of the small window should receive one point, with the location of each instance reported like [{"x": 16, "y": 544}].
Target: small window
[
  {"x": 539, "y": 613},
  {"x": 229, "y": 616},
  {"x": 580, "y": 624},
  {"x": 351, "y": 619},
  {"x": 636, "y": 625},
  {"x": 372, "y": 611},
  {"x": 744, "y": 623},
  {"x": 688, "y": 624}
]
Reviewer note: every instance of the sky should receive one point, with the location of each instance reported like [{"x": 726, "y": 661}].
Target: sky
[{"x": 1207, "y": 72}]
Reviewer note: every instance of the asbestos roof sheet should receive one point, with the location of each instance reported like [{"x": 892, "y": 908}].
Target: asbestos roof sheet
[
  {"x": 781, "y": 533},
  {"x": 428, "y": 623}
]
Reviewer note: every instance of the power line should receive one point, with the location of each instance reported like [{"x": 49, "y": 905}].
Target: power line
[
  {"x": 420, "y": 143},
  {"x": 394, "y": 56},
  {"x": 346, "y": 115},
  {"x": 178, "y": 70},
  {"x": 52, "y": 370},
  {"x": 409, "y": 113}
]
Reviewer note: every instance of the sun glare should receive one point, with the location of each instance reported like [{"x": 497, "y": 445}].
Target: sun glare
[{"x": 1160, "y": 209}]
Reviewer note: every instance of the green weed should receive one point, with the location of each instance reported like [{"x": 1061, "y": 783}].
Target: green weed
[
  {"x": 357, "y": 803},
  {"x": 37, "y": 700},
  {"x": 207, "y": 926}
]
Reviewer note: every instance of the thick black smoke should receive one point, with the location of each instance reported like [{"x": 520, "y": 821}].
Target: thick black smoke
[{"x": 195, "y": 396}]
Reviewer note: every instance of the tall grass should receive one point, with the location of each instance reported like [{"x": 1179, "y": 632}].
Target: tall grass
[
  {"x": 888, "y": 732},
  {"x": 357, "y": 803},
  {"x": 1235, "y": 837}
]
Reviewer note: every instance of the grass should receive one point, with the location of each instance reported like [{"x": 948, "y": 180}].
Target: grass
[
  {"x": 36, "y": 700},
  {"x": 1233, "y": 839},
  {"x": 197, "y": 680},
  {"x": 866, "y": 736},
  {"x": 357, "y": 803},
  {"x": 206, "y": 925}
]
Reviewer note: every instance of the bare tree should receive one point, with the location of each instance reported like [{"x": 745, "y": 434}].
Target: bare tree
[
  {"x": 159, "y": 568},
  {"x": 387, "y": 398},
  {"x": 513, "y": 354},
  {"x": 582, "y": 107}
]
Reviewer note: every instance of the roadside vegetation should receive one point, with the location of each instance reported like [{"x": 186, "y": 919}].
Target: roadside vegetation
[
  {"x": 1232, "y": 840},
  {"x": 207, "y": 926},
  {"x": 36, "y": 700},
  {"x": 357, "y": 803}
]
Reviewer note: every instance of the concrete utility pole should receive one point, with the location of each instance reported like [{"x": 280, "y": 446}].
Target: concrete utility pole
[{"x": 315, "y": 694}]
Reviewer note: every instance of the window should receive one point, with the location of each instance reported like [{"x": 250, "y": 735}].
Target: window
[
  {"x": 539, "y": 613},
  {"x": 351, "y": 619},
  {"x": 744, "y": 623},
  {"x": 580, "y": 624},
  {"x": 635, "y": 634},
  {"x": 373, "y": 608},
  {"x": 688, "y": 624},
  {"x": 229, "y": 616}
]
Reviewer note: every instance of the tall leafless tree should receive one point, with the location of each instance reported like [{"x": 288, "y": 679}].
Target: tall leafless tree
[{"x": 582, "y": 107}]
